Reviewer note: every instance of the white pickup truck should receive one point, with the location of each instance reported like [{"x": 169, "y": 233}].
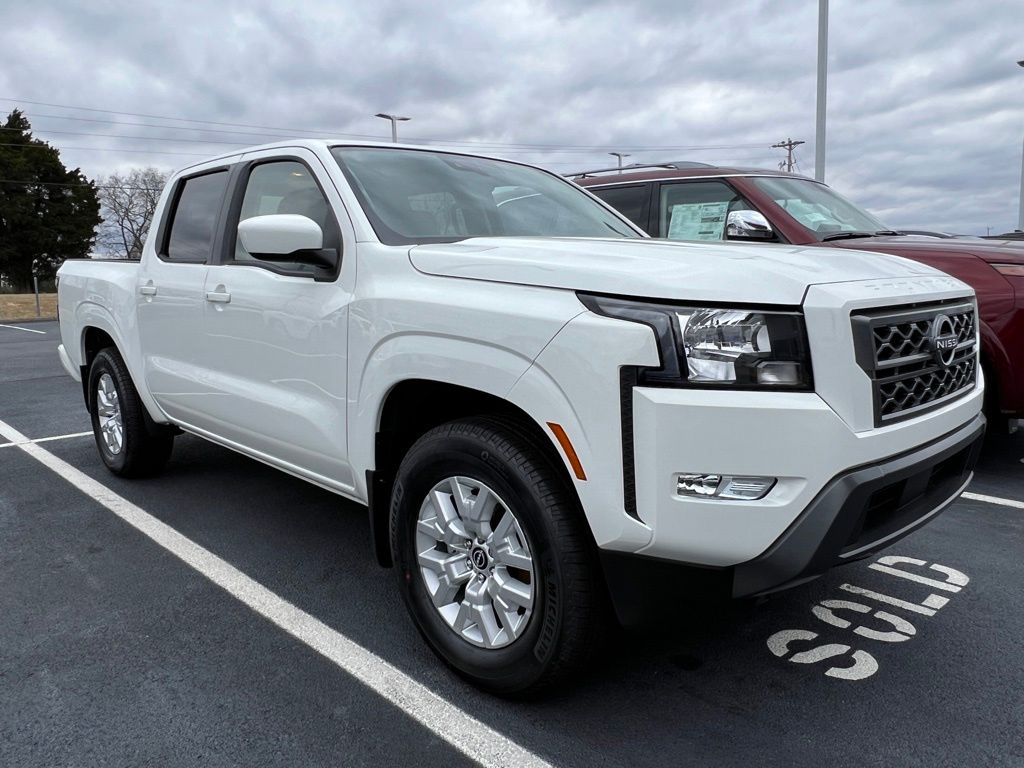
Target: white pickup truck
[{"x": 546, "y": 412}]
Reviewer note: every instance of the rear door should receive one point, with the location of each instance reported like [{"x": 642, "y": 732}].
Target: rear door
[
  {"x": 169, "y": 296},
  {"x": 276, "y": 333}
]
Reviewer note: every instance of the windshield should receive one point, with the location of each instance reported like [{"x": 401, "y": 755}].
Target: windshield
[
  {"x": 817, "y": 207},
  {"x": 417, "y": 196}
]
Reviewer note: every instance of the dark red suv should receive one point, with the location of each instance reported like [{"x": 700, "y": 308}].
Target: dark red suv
[{"x": 694, "y": 201}]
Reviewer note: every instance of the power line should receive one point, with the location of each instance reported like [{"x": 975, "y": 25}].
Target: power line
[
  {"x": 71, "y": 184},
  {"x": 324, "y": 132},
  {"x": 122, "y": 136},
  {"x": 107, "y": 149},
  {"x": 36, "y": 116}
]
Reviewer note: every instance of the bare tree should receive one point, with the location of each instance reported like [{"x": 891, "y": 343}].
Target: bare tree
[{"x": 128, "y": 202}]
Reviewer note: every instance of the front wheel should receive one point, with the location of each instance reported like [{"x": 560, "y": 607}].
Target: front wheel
[
  {"x": 129, "y": 444},
  {"x": 494, "y": 560}
]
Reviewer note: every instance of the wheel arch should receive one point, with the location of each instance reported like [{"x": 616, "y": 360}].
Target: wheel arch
[{"x": 402, "y": 419}]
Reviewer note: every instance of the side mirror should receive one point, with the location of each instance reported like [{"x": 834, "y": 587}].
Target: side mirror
[
  {"x": 286, "y": 237},
  {"x": 748, "y": 225}
]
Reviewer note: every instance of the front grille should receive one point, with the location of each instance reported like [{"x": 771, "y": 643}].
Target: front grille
[
  {"x": 917, "y": 357},
  {"x": 896, "y": 342}
]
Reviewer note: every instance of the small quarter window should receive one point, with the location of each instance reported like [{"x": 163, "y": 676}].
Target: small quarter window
[{"x": 195, "y": 217}]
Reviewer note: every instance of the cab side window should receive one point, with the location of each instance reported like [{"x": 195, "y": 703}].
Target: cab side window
[
  {"x": 697, "y": 210},
  {"x": 194, "y": 220},
  {"x": 631, "y": 202},
  {"x": 285, "y": 186}
]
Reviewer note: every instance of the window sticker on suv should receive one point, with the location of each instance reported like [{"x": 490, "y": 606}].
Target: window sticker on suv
[{"x": 697, "y": 221}]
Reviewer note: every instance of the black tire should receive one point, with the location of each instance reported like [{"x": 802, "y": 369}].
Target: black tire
[
  {"x": 997, "y": 425},
  {"x": 146, "y": 446},
  {"x": 569, "y": 615}
]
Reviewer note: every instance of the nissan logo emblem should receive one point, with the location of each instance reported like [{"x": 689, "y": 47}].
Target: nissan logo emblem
[
  {"x": 479, "y": 558},
  {"x": 944, "y": 339}
]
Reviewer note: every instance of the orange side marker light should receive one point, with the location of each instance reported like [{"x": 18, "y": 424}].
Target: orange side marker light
[{"x": 570, "y": 452}]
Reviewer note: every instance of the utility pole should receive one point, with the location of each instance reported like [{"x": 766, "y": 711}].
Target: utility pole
[
  {"x": 789, "y": 145},
  {"x": 1020, "y": 202},
  {"x": 819, "y": 128},
  {"x": 620, "y": 155},
  {"x": 395, "y": 120}
]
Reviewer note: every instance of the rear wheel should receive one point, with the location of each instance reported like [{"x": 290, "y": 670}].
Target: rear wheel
[
  {"x": 494, "y": 560},
  {"x": 129, "y": 443}
]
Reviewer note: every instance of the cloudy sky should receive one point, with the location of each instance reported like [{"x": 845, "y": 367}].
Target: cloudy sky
[{"x": 926, "y": 103}]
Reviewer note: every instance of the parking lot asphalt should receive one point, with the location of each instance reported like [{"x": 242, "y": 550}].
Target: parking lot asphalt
[{"x": 115, "y": 652}]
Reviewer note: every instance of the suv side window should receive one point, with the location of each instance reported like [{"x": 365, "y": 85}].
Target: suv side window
[
  {"x": 194, "y": 220},
  {"x": 631, "y": 202},
  {"x": 285, "y": 186},
  {"x": 697, "y": 210}
]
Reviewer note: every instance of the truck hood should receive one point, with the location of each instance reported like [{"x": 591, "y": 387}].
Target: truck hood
[
  {"x": 992, "y": 251},
  {"x": 768, "y": 274}
]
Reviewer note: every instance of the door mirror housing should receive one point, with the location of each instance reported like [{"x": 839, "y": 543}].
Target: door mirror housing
[
  {"x": 286, "y": 237},
  {"x": 748, "y": 225}
]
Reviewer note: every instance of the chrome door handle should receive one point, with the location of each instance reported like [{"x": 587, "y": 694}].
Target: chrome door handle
[
  {"x": 218, "y": 297},
  {"x": 148, "y": 290}
]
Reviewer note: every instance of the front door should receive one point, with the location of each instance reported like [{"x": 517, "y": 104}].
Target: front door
[{"x": 277, "y": 337}]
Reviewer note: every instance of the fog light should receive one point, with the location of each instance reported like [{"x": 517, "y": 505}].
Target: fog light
[
  {"x": 724, "y": 486},
  {"x": 699, "y": 485}
]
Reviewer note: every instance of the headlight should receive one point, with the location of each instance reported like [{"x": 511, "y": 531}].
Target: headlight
[{"x": 747, "y": 348}]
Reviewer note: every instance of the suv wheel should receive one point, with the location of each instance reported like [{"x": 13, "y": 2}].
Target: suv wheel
[
  {"x": 494, "y": 560},
  {"x": 129, "y": 443}
]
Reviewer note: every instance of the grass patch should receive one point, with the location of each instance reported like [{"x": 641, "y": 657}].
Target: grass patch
[{"x": 22, "y": 306}]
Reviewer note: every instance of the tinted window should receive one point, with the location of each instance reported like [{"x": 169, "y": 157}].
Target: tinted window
[
  {"x": 631, "y": 202},
  {"x": 697, "y": 210},
  {"x": 195, "y": 217},
  {"x": 416, "y": 196},
  {"x": 286, "y": 186}
]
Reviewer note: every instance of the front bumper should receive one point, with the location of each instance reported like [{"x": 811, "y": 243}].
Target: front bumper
[{"x": 857, "y": 513}]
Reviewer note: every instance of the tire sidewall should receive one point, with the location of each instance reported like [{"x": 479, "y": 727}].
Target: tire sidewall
[
  {"x": 105, "y": 363},
  {"x": 525, "y": 660}
]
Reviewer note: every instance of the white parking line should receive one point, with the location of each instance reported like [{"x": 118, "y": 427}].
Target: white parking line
[
  {"x": 473, "y": 738},
  {"x": 46, "y": 439},
  {"x": 993, "y": 500},
  {"x": 19, "y": 328}
]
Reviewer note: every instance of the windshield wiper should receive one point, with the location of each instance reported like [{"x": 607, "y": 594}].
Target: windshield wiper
[
  {"x": 846, "y": 235},
  {"x": 889, "y": 232}
]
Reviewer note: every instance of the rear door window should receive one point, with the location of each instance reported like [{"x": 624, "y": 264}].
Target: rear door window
[
  {"x": 697, "y": 210},
  {"x": 632, "y": 201},
  {"x": 194, "y": 221}
]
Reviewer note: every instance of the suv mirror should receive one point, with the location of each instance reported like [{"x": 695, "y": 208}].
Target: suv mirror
[
  {"x": 286, "y": 237},
  {"x": 748, "y": 225}
]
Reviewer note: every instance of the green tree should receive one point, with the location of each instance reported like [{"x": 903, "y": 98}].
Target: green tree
[{"x": 47, "y": 213}]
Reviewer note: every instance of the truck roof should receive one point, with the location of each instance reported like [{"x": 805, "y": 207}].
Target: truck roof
[{"x": 322, "y": 143}]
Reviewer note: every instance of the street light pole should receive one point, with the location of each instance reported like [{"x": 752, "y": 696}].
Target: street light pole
[
  {"x": 819, "y": 129},
  {"x": 620, "y": 155},
  {"x": 1020, "y": 202},
  {"x": 395, "y": 120}
]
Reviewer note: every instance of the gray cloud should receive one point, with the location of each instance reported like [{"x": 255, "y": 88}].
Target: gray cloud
[{"x": 926, "y": 106}]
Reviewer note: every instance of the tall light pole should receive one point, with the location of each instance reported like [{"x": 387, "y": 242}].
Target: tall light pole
[
  {"x": 395, "y": 120},
  {"x": 620, "y": 155},
  {"x": 1020, "y": 215},
  {"x": 819, "y": 127}
]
